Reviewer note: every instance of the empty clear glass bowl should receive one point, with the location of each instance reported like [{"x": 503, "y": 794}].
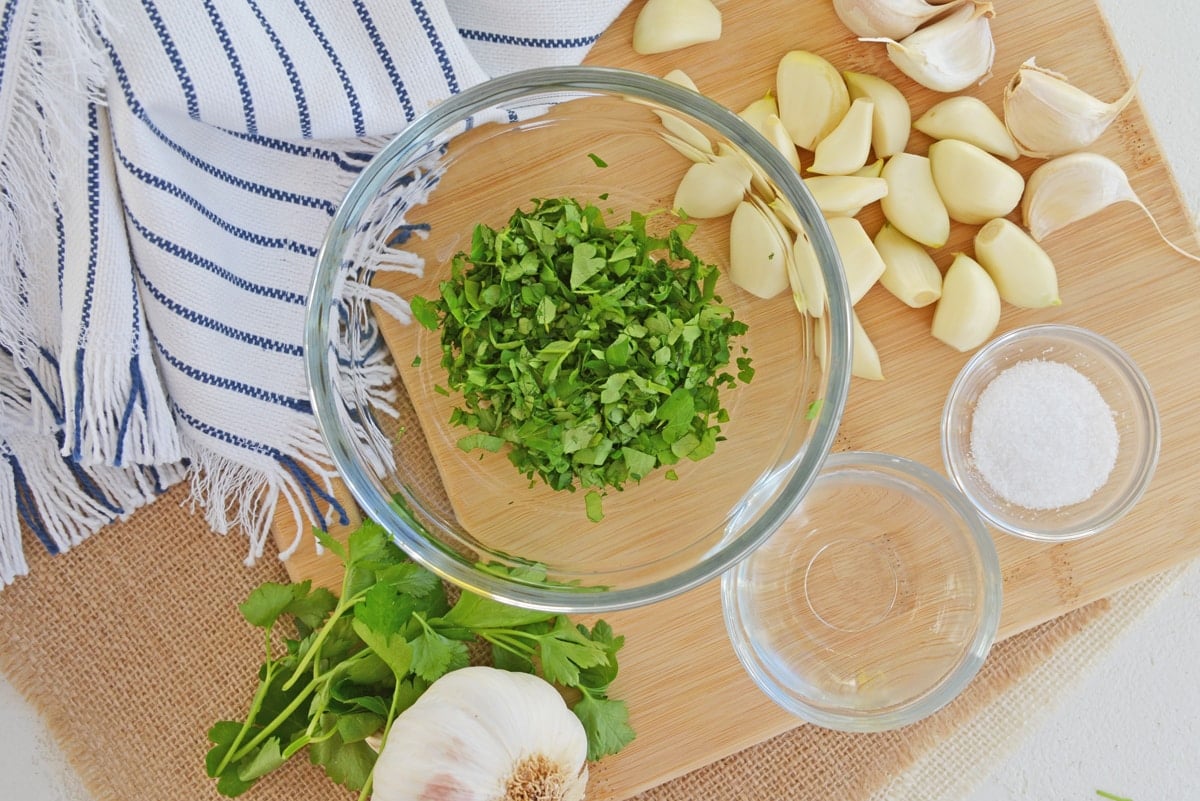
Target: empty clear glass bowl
[
  {"x": 875, "y": 604},
  {"x": 380, "y": 391}
]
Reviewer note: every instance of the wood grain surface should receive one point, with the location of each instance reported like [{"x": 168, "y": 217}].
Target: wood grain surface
[{"x": 690, "y": 700}]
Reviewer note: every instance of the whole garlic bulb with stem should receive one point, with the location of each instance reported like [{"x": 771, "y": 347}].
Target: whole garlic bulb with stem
[{"x": 484, "y": 734}]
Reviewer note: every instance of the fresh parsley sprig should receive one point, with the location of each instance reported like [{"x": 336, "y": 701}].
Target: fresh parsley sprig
[{"x": 359, "y": 659}]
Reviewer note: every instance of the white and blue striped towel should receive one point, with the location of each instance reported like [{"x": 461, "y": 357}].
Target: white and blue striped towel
[{"x": 167, "y": 171}]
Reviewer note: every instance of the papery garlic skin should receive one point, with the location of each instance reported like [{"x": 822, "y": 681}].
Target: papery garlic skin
[
  {"x": 950, "y": 54},
  {"x": 1048, "y": 116},
  {"x": 666, "y": 25},
  {"x": 974, "y": 185},
  {"x": 968, "y": 119},
  {"x": 893, "y": 19},
  {"x": 475, "y": 734},
  {"x": 1069, "y": 188}
]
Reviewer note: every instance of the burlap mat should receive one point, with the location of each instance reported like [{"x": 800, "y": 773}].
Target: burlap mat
[{"x": 131, "y": 646}]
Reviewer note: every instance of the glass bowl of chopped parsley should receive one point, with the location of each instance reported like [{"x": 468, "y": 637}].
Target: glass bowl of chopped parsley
[
  {"x": 539, "y": 376},
  {"x": 1052, "y": 431}
]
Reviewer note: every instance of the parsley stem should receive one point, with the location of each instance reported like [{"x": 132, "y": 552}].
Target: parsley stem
[
  {"x": 255, "y": 706},
  {"x": 313, "y": 650}
]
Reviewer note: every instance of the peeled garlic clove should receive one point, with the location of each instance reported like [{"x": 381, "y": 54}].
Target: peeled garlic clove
[
  {"x": 950, "y": 54},
  {"x": 754, "y": 176},
  {"x": 892, "y": 19},
  {"x": 812, "y": 97},
  {"x": 872, "y": 170},
  {"x": 777, "y": 135},
  {"x": 975, "y": 185},
  {"x": 860, "y": 260},
  {"x": 691, "y": 152},
  {"x": 757, "y": 254},
  {"x": 864, "y": 358},
  {"x": 912, "y": 202},
  {"x": 1071, "y": 187},
  {"x": 686, "y": 131},
  {"x": 710, "y": 189},
  {"x": 665, "y": 25},
  {"x": 681, "y": 78},
  {"x": 845, "y": 195},
  {"x": 910, "y": 272},
  {"x": 1023, "y": 273},
  {"x": 968, "y": 119},
  {"x": 806, "y": 279},
  {"x": 820, "y": 340},
  {"x": 846, "y": 147},
  {"x": 969, "y": 309},
  {"x": 757, "y": 112},
  {"x": 1048, "y": 116},
  {"x": 786, "y": 215},
  {"x": 892, "y": 120}
]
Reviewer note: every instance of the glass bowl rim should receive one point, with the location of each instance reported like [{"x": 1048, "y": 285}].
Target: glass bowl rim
[
  {"x": 1114, "y": 358},
  {"x": 319, "y": 321},
  {"x": 957, "y": 678}
]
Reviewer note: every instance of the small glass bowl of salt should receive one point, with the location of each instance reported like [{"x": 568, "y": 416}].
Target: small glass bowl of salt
[{"x": 1051, "y": 431}]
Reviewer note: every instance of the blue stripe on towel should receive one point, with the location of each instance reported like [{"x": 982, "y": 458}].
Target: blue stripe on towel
[
  {"x": 307, "y": 151},
  {"x": 191, "y": 257},
  {"x": 235, "y": 64},
  {"x": 313, "y": 491},
  {"x": 439, "y": 49},
  {"x": 289, "y": 67},
  {"x": 236, "y": 334},
  {"x": 27, "y": 506},
  {"x": 385, "y": 57},
  {"x": 301, "y": 405},
  {"x": 93, "y": 193},
  {"x": 185, "y": 80},
  {"x": 6, "y": 22},
  {"x": 139, "y": 111},
  {"x": 281, "y": 243},
  {"x": 356, "y": 111},
  {"x": 527, "y": 41}
]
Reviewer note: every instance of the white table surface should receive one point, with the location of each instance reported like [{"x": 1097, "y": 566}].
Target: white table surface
[{"x": 1131, "y": 727}]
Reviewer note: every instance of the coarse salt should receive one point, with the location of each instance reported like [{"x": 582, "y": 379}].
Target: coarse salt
[{"x": 1042, "y": 436}]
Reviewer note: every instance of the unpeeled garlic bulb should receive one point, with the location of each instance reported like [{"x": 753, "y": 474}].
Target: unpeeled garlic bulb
[
  {"x": 950, "y": 54},
  {"x": 968, "y": 119},
  {"x": 1069, "y": 188},
  {"x": 483, "y": 734},
  {"x": 1048, "y": 116},
  {"x": 665, "y": 25},
  {"x": 892, "y": 19}
]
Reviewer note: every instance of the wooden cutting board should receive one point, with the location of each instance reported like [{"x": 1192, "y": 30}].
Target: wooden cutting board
[{"x": 691, "y": 703}]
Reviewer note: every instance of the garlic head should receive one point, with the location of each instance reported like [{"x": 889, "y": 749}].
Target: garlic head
[
  {"x": 1048, "y": 116},
  {"x": 483, "y": 734}
]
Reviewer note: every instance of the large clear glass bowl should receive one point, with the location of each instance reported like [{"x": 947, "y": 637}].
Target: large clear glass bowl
[{"x": 379, "y": 388}]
